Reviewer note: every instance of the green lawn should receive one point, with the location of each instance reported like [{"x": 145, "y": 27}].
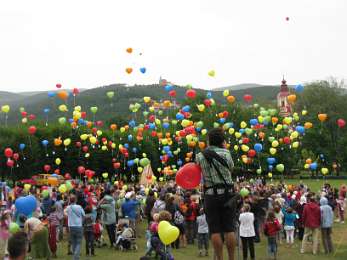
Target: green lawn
[{"x": 339, "y": 237}]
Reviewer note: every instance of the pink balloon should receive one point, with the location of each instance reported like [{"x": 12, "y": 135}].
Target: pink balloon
[
  {"x": 47, "y": 168},
  {"x": 16, "y": 156},
  {"x": 58, "y": 85},
  {"x": 341, "y": 123},
  {"x": 10, "y": 163},
  {"x": 189, "y": 176}
]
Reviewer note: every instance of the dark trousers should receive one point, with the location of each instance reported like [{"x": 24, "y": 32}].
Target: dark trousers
[
  {"x": 190, "y": 230},
  {"x": 203, "y": 241},
  {"x": 256, "y": 229},
  {"x": 326, "y": 239},
  {"x": 301, "y": 233},
  {"x": 111, "y": 231},
  {"x": 272, "y": 245},
  {"x": 248, "y": 243},
  {"x": 89, "y": 237}
]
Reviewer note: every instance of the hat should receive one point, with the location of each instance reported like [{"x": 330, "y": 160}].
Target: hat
[{"x": 128, "y": 195}]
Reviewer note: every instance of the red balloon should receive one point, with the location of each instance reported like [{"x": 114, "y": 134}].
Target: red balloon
[
  {"x": 78, "y": 144},
  {"x": 153, "y": 133},
  {"x": 32, "y": 130},
  {"x": 225, "y": 114},
  {"x": 16, "y": 156},
  {"x": 47, "y": 168},
  {"x": 75, "y": 91},
  {"x": 189, "y": 176},
  {"x": 151, "y": 118},
  {"x": 81, "y": 169},
  {"x": 24, "y": 114},
  {"x": 286, "y": 140},
  {"x": 247, "y": 98},
  {"x": 67, "y": 176},
  {"x": 32, "y": 117},
  {"x": 341, "y": 123},
  {"x": 251, "y": 153},
  {"x": 58, "y": 85},
  {"x": 191, "y": 93},
  {"x": 245, "y": 140},
  {"x": 116, "y": 165},
  {"x": 208, "y": 102},
  {"x": 8, "y": 152},
  {"x": 84, "y": 115},
  {"x": 10, "y": 163},
  {"x": 85, "y": 148},
  {"x": 172, "y": 93},
  {"x": 57, "y": 171}
]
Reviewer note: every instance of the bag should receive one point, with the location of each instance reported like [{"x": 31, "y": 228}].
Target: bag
[{"x": 178, "y": 218}]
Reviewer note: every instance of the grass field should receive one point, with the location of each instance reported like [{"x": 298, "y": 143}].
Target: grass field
[{"x": 191, "y": 252}]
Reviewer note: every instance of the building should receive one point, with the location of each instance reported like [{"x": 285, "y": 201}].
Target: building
[{"x": 283, "y": 105}]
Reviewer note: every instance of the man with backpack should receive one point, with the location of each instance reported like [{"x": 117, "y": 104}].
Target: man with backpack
[{"x": 219, "y": 198}]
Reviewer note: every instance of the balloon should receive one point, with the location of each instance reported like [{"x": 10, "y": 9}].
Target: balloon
[
  {"x": 110, "y": 94},
  {"x": 300, "y": 129},
  {"x": 94, "y": 109},
  {"x": 13, "y": 228},
  {"x": 44, "y": 142},
  {"x": 313, "y": 166},
  {"x": 58, "y": 85},
  {"x": 244, "y": 192},
  {"x": 271, "y": 160},
  {"x": 299, "y": 88},
  {"x": 62, "y": 188},
  {"x": 129, "y": 70},
  {"x": 10, "y": 163},
  {"x": 21, "y": 147},
  {"x": 81, "y": 170},
  {"x": 5, "y": 109},
  {"x": 211, "y": 73},
  {"x": 291, "y": 98},
  {"x": 63, "y": 108},
  {"x": 167, "y": 232},
  {"x": 129, "y": 50},
  {"x": 27, "y": 186},
  {"x": 280, "y": 167},
  {"x": 189, "y": 176},
  {"x": 62, "y": 120},
  {"x": 75, "y": 91},
  {"x": 247, "y": 98},
  {"x": 322, "y": 117},
  {"x": 8, "y": 152},
  {"x": 32, "y": 130},
  {"x": 143, "y": 70},
  {"x": 25, "y": 205},
  {"x": 45, "y": 193},
  {"x": 105, "y": 175},
  {"x": 67, "y": 142},
  {"x": 258, "y": 147},
  {"x": 144, "y": 162},
  {"x": 191, "y": 93},
  {"x": 16, "y": 156},
  {"x": 231, "y": 99},
  {"x": 47, "y": 168},
  {"x": 63, "y": 95},
  {"x": 275, "y": 143},
  {"x": 325, "y": 171},
  {"x": 341, "y": 123},
  {"x": 58, "y": 161}
]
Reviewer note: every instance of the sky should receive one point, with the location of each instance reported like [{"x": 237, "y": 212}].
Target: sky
[{"x": 82, "y": 43}]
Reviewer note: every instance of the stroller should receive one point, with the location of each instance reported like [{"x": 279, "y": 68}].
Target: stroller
[{"x": 125, "y": 236}]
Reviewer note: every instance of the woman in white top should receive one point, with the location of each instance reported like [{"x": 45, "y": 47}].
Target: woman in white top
[{"x": 247, "y": 232}]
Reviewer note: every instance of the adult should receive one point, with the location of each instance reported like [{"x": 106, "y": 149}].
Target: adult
[
  {"x": 217, "y": 179},
  {"x": 108, "y": 206},
  {"x": 150, "y": 200},
  {"x": 75, "y": 215},
  {"x": 38, "y": 237},
  {"x": 17, "y": 246},
  {"x": 327, "y": 218},
  {"x": 312, "y": 220},
  {"x": 129, "y": 208},
  {"x": 59, "y": 206}
]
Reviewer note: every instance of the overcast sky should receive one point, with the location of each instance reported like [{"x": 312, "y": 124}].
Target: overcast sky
[{"x": 82, "y": 43}]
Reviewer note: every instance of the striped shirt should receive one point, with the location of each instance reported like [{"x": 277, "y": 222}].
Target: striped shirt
[{"x": 210, "y": 175}]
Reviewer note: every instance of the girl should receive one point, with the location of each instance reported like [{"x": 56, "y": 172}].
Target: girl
[
  {"x": 88, "y": 231},
  {"x": 4, "y": 232},
  {"x": 279, "y": 216},
  {"x": 247, "y": 232},
  {"x": 271, "y": 229},
  {"x": 202, "y": 232},
  {"x": 289, "y": 227},
  {"x": 53, "y": 221}
]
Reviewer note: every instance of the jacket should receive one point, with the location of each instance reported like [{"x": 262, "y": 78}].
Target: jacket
[
  {"x": 327, "y": 215},
  {"x": 272, "y": 228},
  {"x": 129, "y": 208},
  {"x": 311, "y": 215},
  {"x": 109, "y": 210}
]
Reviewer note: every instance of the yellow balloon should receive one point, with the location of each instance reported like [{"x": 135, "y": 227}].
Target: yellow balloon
[
  {"x": 295, "y": 144},
  {"x": 57, "y": 161},
  {"x": 275, "y": 143},
  {"x": 273, "y": 150},
  {"x": 78, "y": 108},
  {"x": 5, "y": 109},
  {"x": 304, "y": 112},
  {"x": 24, "y": 120},
  {"x": 67, "y": 142},
  {"x": 203, "y": 131},
  {"x": 92, "y": 139},
  {"x": 62, "y": 188},
  {"x": 226, "y": 93},
  {"x": 104, "y": 148},
  {"x": 122, "y": 129},
  {"x": 167, "y": 233},
  {"x": 238, "y": 135},
  {"x": 201, "y": 107},
  {"x": 306, "y": 166},
  {"x": 325, "y": 171},
  {"x": 236, "y": 147},
  {"x": 99, "y": 132},
  {"x": 27, "y": 186},
  {"x": 243, "y": 124},
  {"x": 244, "y": 148},
  {"x": 269, "y": 174},
  {"x": 63, "y": 108},
  {"x": 231, "y": 131},
  {"x": 146, "y": 99}
]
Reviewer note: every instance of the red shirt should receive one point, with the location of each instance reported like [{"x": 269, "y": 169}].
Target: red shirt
[{"x": 271, "y": 228}]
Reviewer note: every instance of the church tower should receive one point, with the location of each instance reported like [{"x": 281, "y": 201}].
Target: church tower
[{"x": 282, "y": 102}]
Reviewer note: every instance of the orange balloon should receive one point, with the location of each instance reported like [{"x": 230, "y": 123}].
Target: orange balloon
[
  {"x": 308, "y": 161},
  {"x": 322, "y": 117},
  {"x": 57, "y": 141},
  {"x": 274, "y": 120},
  {"x": 89, "y": 124},
  {"x": 129, "y": 50},
  {"x": 291, "y": 98},
  {"x": 308, "y": 125},
  {"x": 167, "y": 135},
  {"x": 160, "y": 135},
  {"x": 63, "y": 95},
  {"x": 113, "y": 127},
  {"x": 231, "y": 99},
  {"x": 202, "y": 145},
  {"x": 129, "y": 70}
]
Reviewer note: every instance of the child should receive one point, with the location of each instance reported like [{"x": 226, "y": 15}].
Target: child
[
  {"x": 53, "y": 221},
  {"x": 279, "y": 216},
  {"x": 97, "y": 231},
  {"x": 4, "y": 230},
  {"x": 289, "y": 227},
  {"x": 202, "y": 232},
  {"x": 89, "y": 231},
  {"x": 247, "y": 232},
  {"x": 341, "y": 209},
  {"x": 271, "y": 229}
]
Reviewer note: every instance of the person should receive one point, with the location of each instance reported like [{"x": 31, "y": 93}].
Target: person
[
  {"x": 247, "y": 232},
  {"x": 18, "y": 246},
  {"x": 88, "y": 223},
  {"x": 289, "y": 224},
  {"x": 108, "y": 206},
  {"x": 311, "y": 218},
  {"x": 5, "y": 221},
  {"x": 202, "y": 233},
  {"x": 190, "y": 219},
  {"x": 129, "y": 208},
  {"x": 279, "y": 216},
  {"x": 75, "y": 215},
  {"x": 150, "y": 200},
  {"x": 217, "y": 181},
  {"x": 53, "y": 221},
  {"x": 327, "y": 216},
  {"x": 38, "y": 237},
  {"x": 47, "y": 203},
  {"x": 59, "y": 207},
  {"x": 300, "y": 210},
  {"x": 271, "y": 229}
]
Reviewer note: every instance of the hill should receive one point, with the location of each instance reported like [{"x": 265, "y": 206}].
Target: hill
[{"x": 118, "y": 106}]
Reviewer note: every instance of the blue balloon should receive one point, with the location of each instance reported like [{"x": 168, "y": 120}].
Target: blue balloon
[
  {"x": 300, "y": 129},
  {"x": 166, "y": 125},
  {"x": 143, "y": 70},
  {"x": 299, "y": 88},
  {"x": 169, "y": 153},
  {"x": 166, "y": 148},
  {"x": 253, "y": 121},
  {"x": 179, "y": 162},
  {"x": 26, "y": 205},
  {"x": 132, "y": 123},
  {"x": 270, "y": 167},
  {"x": 179, "y": 116},
  {"x": 71, "y": 120},
  {"x": 258, "y": 147},
  {"x": 209, "y": 94},
  {"x": 54, "y": 175},
  {"x": 134, "y": 150},
  {"x": 126, "y": 145},
  {"x": 46, "y": 110},
  {"x": 242, "y": 131},
  {"x": 186, "y": 108},
  {"x": 313, "y": 166},
  {"x": 44, "y": 142},
  {"x": 271, "y": 160},
  {"x": 222, "y": 120},
  {"x": 321, "y": 156},
  {"x": 80, "y": 121},
  {"x": 21, "y": 146},
  {"x": 130, "y": 138},
  {"x": 51, "y": 94},
  {"x": 168, "y": 88},
  {"x": 130, "y": 163}
]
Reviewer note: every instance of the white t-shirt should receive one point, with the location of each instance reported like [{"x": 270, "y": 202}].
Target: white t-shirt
[{"x": 247, "y": 224}]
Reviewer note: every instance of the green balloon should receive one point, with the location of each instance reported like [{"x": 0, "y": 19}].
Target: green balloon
[
  {"x": 13, "y": 228},
  {"x": 280, "y": 167},
  {"x": 110, "y": 94},
  {"x": 244, "y": 192},
  {"x": 144, "y": 162},
  {"x": 45, "y": 193},
  {"x": 94, "y": 109},
  {"x": 62, "y": 120}
]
